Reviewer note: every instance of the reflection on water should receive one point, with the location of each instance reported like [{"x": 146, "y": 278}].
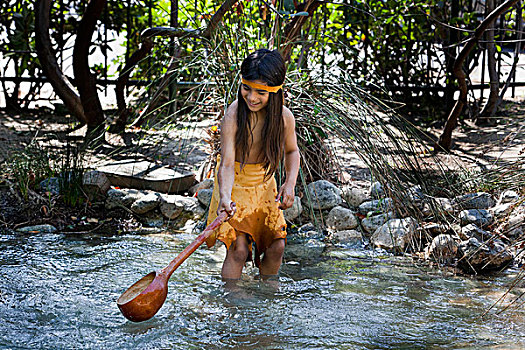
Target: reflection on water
[{"x": 59, "y": 292}]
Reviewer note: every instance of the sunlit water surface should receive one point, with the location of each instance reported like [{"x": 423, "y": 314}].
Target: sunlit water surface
[{"x": 58, "y": 291}]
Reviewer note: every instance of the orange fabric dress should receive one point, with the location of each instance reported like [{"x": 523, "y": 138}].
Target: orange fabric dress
[{"x": 258, "y": 215}]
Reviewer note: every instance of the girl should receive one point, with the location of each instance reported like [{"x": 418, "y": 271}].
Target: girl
[{"x": 256, "y": 132}]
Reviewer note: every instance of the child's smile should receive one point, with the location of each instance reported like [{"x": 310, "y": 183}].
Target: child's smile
[{"x": 255, "y": 99}]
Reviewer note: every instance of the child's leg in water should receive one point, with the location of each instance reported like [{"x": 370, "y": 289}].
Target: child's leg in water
[
  {"x": 235, "y": 258},
  {"x": 273, "y": 258}
]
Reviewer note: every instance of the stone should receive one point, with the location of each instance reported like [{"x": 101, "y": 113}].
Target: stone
[
  {"x": 516, "y": 222},
  {"x": 508, "y": 196},
  {"x": 38, "y": 229},
  {"x": 205, "y": 184},
  {"x": 376, "y": 190},
  {"x": 146, "y": 201},
  {"x": 435, "y": 229},
  {"x": 51, "y": 185},
  {"x": 347, "y": 238},
  {"x": 479, "y": 200},
  {"x": 95, "y": 184},
  {"x": 294, "y": 211},
  {"x": 437, "y": 206},
  {"x": 180, "y": 207},
  {"x": 372, "y": 223},
  {"x": 471, "y": 230},
  {"x": 322, "y": 194},
  {"x": 442, "y": 249},
  {"x": 395, "y": 234},
  {"x": 204, "y": 196},
  {"x": 340, "y": 218},
  {"x": 312, "y": 249},
  {"x": 481, "y": 257},
  {"x": 118, "y": 197},
  {"x": 480, "y": 217},
  {"x": 152, "y": 219},
  {"x": 502, "y": 210},
  {"x": 376, "y": 206},
  {"x": 354, "y": 196}
]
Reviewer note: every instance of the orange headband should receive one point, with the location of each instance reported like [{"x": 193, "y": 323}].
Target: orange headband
[{"x": 260, "y": 86}]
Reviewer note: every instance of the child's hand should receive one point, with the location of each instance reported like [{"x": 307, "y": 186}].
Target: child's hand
[
  {"x": 287, "y": 192},
  {"x": 229, "y": 207}
]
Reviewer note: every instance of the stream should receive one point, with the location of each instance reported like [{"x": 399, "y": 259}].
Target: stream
[{"x": 58, "y": 291}]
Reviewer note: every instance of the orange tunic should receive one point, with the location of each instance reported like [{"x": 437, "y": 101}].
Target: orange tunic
[{"x": 258, "y": 214}]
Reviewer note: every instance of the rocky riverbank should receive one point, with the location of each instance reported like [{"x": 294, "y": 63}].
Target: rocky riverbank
[{"x": 476, "y": 232}]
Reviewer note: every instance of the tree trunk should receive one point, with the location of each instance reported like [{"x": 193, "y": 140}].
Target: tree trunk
[
  {"x": 445, "y": 140},
  {"x": 61, "y": 85},
  {"x": 85, "y": 81},
  {"x": 293, "y": 29},
  {"x": 489, "y": 109}
]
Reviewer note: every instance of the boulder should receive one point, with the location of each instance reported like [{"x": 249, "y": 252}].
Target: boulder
[
  {"x": 204, "y": 196},
  {"x": 204, "y": 184},
  {"x": 395, "y": 234},
  {"x": 516, "y": 223},
  {"x": 37, "y": 229},
  {"x": 294, "y": 211},
  {"x": 145, "y": 202},
  {"x": 118, "y": 197},
  {"x": 95, "y": 184},
  {"x": 308, "y": 250},
  {"x": 346, "y": 238},
  {"x": 354, "y": 196},
  {"x": 340, "y": 218},
  {"x": 376, "y": 206},
  {"x": 481, "y": 257},
  {"x": 181, "y": 208},
  {"x": 372, "y": 223},
  {"x": 376, "y": 190},
  {"x": 479, "y": 200},
  {"x": 480, "y": 217},
  {"x": 437, "y": 205},
  {"x": 322, "y": 194},
  {"x": 443, "y": 249}
]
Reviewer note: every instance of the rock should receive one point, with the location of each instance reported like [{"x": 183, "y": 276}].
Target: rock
[
  {"x": 95, "y": 184},
  {"x": 294, "y": 211},
  {"x": 480, "y": 257},
  {"x": 121, "y": 197},
  {"x": 480, "y": 217},
  {"x": 501, "y": 210},
  {"x": 376, "y": 206},
  {"x": 340, "y": 218},
  {"x": 395, "y": 234},
  {"x": 372, "y": 223},
  {"x": 471, "y": 230},
  {"x": 312, "y": 249},
  {"x": 415, "y": 195},
  {"x": 437, "y": 206},
  {"x": 205, "y": 184},
  {"x": 442, "y": 249},
  {"x": 152, "y": 219},
  {"x": 508, "y": 196},
  {"x": 354, "y": 196},
  {"x": 516, "y": 223},
  {"x": 435, "y": 229},
  {"x": 376, "y": 190},
  {"x": 184, "y": 208},
  {"x": 38, "y": 229},
  {"x": 204, "y": 196},
  {"x": 479, "y": 200},
  {"x": 146, "y": 201},
  {"x": 307, "y": 227},
  {"x": 322, "y": 194},
  {"x": 346, "y": 237},
  {"x": 51, "y": 185}
]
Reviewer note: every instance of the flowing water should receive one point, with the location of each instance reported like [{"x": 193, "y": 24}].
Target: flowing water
[{"x": 58, "y": 291}]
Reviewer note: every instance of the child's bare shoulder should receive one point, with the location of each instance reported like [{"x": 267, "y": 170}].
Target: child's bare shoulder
[
  {"x": 230, "y": 117},
  {"x": 288, "y": 116}
]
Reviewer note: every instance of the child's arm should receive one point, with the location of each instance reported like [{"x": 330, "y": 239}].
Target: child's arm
[
  {"x": 226, "y": 172},
  {"x": 291, "y": 161}
]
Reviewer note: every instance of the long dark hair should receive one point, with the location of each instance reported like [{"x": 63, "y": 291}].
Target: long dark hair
[{"x": 268, "y": 66}]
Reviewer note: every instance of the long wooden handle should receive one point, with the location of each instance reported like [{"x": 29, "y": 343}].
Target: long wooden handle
[{"x": 172, "y": 266}]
